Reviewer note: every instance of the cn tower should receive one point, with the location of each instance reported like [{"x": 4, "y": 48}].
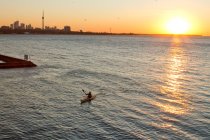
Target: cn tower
[{"x": 43, "y": 20}]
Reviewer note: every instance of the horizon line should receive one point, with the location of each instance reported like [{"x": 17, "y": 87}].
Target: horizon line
[{"x": 61, "y": 31}]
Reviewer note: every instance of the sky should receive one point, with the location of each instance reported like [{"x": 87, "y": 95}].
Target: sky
[{"x": 119, "y": 16}]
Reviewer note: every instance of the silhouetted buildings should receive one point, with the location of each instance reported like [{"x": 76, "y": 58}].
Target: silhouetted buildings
[
  {"x": 11, "y": 26},
  {"x": 16, "y": 25},
  {"x": 22, "y": 26},
  {"x": 67, "y": 29},
  {"x": 5, "y": 27},
  {"x": 29, "y": 27},
  {"x": 50, "y": 28}
]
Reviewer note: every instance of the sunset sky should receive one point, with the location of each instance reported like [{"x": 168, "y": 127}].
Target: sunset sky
[{"x": 136, "y": 16}]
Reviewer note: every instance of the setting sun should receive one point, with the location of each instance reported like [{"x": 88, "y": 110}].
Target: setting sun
[{"x": 177, "y": 25}]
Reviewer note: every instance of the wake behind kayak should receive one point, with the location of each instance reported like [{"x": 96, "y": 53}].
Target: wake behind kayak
[{"x": 86, "y": 99}]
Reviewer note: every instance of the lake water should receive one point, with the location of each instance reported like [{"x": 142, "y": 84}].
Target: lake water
[{"x": 146, "y": 87}]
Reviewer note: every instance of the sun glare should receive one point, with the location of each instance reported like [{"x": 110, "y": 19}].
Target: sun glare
[{"x": 177, "y": 25}]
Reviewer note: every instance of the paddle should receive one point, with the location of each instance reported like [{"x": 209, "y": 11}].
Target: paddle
[{"x": 84, "y": 91}]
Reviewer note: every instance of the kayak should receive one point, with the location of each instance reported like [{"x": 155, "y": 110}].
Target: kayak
[{"x": 86, "y": 99}]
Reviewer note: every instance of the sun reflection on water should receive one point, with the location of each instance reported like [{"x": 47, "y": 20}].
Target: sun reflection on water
[{"x": 174, "y": 100}]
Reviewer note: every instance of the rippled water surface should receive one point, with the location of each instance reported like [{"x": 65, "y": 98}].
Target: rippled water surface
[{"x": 146, "y": 87}]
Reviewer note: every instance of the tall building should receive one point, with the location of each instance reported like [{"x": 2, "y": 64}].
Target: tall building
[
  {"x": 67, "y": 29},
  {"x": 29, "y": 27},
  {"x": 16, "y": 25},
  {"x": 11, "y": 26},
  {"x": 22, "y": 26},
  {"x": 43, "y": 20}
]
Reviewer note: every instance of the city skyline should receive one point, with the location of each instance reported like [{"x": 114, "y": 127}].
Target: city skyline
[
  {"x": 18, "y": 27},
  {"x": 21, "y": 25},
  {"x": 119, "y": 16}
]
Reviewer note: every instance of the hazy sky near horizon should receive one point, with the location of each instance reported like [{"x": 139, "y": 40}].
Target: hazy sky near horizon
[{"x": 137, "y": 16}]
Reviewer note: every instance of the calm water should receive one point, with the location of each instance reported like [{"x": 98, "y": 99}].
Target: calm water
[{"x": 146, "y": 87}]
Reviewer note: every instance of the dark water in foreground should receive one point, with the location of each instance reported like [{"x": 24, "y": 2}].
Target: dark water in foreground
[{"x": 147, "y": 88}]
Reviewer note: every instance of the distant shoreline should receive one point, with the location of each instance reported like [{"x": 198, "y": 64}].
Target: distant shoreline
[{"x": 61, "y": 32}]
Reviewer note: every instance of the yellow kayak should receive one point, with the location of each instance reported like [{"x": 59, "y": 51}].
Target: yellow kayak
[{"x": 86, "y": 99}]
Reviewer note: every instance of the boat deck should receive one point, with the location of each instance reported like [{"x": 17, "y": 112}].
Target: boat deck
[{"x": 7, "y": 62}]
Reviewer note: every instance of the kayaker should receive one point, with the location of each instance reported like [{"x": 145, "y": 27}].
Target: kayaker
[{"x": 89, "y": 95}]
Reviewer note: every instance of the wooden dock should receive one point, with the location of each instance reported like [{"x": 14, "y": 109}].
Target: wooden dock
[{"x": 11, "y": 62}]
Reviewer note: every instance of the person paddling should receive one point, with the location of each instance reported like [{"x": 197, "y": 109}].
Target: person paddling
[{"x": 89, "y": 95}]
